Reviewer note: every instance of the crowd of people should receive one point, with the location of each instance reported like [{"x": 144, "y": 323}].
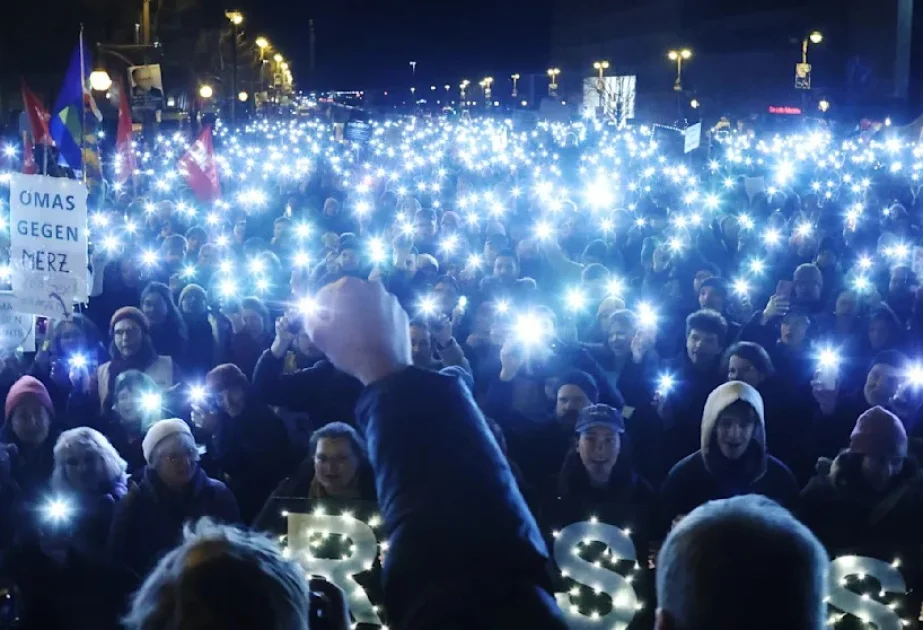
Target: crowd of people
[{"x": 589, "y": 319}]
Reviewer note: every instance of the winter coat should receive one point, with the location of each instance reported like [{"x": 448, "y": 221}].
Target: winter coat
[
  {"x": 430, "y": 446},
  {"x": 844, "y": 512},
  {"x": 682, "y": 422},
  {"x": 322, "y": 391},
  {"x": 32, "y": 466},
  {"x": 251, "y": 453},
  {"x": 625, "y": 485},
  {"x": 707, "y": 474},
  {"x": 149, "y": 520}
]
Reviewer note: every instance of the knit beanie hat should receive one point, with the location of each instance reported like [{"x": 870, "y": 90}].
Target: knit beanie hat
[
  {"x": 879, "y": 432},
  {"x": 226, "y": 376},
  {"x": 582, "y": 380},
  {"x": 135, "y": 315},
  {"x": 160, "y": 431},
  {"x": 27, "y": 387}
]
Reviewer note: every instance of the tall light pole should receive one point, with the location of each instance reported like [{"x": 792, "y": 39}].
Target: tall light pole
[
  {"x": 236, "y": 18},
  {"x": 679, "y": 56},
  {"x": 463, "y": 86},
  {"x": 515, "y": 78},
  {"x": 485, "y": 84},
  {"x": 553, "y": 74},
  {"x": 601, "y": 67},
  {"x": 413, "y": 77},
  {"x": 262, "y": 43},
  {"x": 815, "y": 37}
]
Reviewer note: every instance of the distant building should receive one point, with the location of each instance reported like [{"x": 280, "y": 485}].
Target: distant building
[{"x": 744, "y": 53}]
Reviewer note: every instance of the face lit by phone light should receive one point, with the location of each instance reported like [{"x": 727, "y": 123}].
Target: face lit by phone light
[
  {"x": 335, "y": 464},
  {"x": 421, "y": 345},
  {"x": 881, "y": 384},
  {"x": 794, "y": 329},
  {"x": 734, "y": 429}
]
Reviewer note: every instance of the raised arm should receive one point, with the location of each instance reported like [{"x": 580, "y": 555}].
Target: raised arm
[{"x": 459, "y": 528}]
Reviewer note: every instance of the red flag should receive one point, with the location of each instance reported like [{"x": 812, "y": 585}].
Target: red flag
[
  {"x": 38, "y": 117},
  {"x": 124, "y": 152},
  {"x": 29, "y": 167},
  {"x": 200, "y": 169}
]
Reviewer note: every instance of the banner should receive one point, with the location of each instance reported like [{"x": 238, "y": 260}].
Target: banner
[
  {"x": 146, "y": 84},
  {"x": 48, "y": 243},
  {"x": 17, "y": 330},
  {"x": 603, "y": 565}
]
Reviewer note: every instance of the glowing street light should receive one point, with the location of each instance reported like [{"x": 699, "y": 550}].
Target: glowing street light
[
  {"x": 242, "y": 97},
  {"x": 236, "y": 17},
  {"x": 278, "y": 58},
  {"x": 100, "y": 80},
  {"x": 515, "y": 78},
  {"x": 694, "y": 103},
  {"x": 262, "y": 42},
  {"x": 815, "y": 37},
  {"x": 823, "y": 105},
  {"x": 679, "y": 56},
  {"x": 206, "y": 91},
  {"x": 601, "y": 66},
  {"x": 553, "y": 74}
]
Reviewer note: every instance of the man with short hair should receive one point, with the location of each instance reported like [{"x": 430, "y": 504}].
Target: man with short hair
[
  {"x": 713, "y": 295},
  {"x": 434, "y": 346},
  {"x": 713, "y": 569}
]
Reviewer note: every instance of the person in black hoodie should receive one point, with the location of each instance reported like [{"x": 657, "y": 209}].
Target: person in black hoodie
[
  {"x": 247, "y": 444},
  {"x": 599, "y": 470},
  {"x": 871, "y": 493},
  {"x": 29, "y": 424},
  {"x": 323, "y": 392},
  {"x": 732, "y": 460}
]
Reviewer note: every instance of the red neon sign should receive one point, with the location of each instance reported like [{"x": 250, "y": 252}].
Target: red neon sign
[{"x": 784, "y": 109}]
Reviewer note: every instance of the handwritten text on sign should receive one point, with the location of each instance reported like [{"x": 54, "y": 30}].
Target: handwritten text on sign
[{"x": 48, "y": 243}]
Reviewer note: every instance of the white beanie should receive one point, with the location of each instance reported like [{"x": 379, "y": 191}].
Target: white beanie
[
  {"x": 160, "y": 431},
  {"x": 723, "y": 397}
]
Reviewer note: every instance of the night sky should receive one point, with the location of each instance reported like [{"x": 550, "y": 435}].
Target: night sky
[{"x": 369, "y": 43}]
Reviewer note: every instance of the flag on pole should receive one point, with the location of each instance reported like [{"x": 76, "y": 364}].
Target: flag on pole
[
  {"x": 38, "y": 117},
  {"x": 67, "y": 119},
  {"x": 124, "y": 152},
  {"x": 29, "y": 167},
  {"x": 199, "y": 168}
]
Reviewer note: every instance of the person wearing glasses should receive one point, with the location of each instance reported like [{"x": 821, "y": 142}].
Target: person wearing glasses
[{"x": 173, "y": 490}]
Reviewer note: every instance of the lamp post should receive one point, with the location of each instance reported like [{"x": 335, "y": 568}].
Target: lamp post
[
  {"x": 262, "y": 43},
  {"x": 100, "y": 80},
  {"x": 815, "y": 37},
  {"x": 679, "y": 56},
  {"x": 236, "y": 18},
  {"x": 553, "y": 74},
  {"x": 601, "y": 67},
  {"x": 485, "y": 84},
  {"x": 413, "y": 76},
  {"x": 515, "y": 78},
  {"x": 463, "y": 86}
]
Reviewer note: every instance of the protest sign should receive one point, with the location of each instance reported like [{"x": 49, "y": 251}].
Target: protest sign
[
  {"x": 48, "y": 243},
  {"x": 17, "y": 330},
  {"x": 692, "y": 137}
]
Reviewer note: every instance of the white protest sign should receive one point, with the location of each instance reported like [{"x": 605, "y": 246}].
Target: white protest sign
[
  {"x": 48, "y": 243},
  {"x": 693, "y": 137},
  {"x": 17, "y": 330}
]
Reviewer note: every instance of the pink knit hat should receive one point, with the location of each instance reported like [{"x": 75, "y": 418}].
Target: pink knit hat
[
  {"x": 879, "y": 432},
  {"x": 27, "y": 387}
]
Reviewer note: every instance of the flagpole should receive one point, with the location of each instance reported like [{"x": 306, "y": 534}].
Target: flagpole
[{"x": 83, "y": 107}]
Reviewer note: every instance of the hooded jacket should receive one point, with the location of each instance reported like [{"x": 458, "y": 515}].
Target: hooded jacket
[{"x": 707, "y": 474}]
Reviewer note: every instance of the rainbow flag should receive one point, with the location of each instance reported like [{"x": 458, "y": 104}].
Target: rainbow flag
[{"x": 68, "y": 115}]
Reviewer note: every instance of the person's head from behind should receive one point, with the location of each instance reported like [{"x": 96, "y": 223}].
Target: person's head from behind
[
  {"x": 173, "y": 250},
  {"x": 506, "y": 266},
  {"x": 880, "y": 439},
  {"x": 129, "y": 395},
  {"x": 599, "y": 442},
  {"x": 713, "y": 294},
  {"x": 748, "y": 362},
  {"x": 222, "y": 578},
  {"x": 706, "y": 331},
  {"x": 230, "y": 386},
  {"x": 576, "y": 391},
  {"x": 338, "y": 453},
  {"x": 86, "y": 463},
  {"x": 170, "y": 450},
  {"x": 703, "y": 273},
  {"x": 794, "y": 328},
  {"x": 29, "y": 411},
  {"x": 711, "y": 567},
  {"x": 884, "y": 377}
]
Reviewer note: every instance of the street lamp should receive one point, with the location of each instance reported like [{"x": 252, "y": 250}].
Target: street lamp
[
  {"x": 236, "y": 18},
  {"x": 261, "y": 43},
  {"x": 515, "y": 78},
  {"x": 694, "y": 103},
  {"x": 278, "y": 58},
  {"x": 242, "y": 97},
  {"x": 601, "y": 66},
  {"x": 100, "y": 80},
  {"x": 815, "y": 37},
  {"x": 679, "y": 56},
  {"x": 823, "y": 105},
  {"x": 553, "y": 80},
  {"x": 206, "y": 91},
  {"x": 463, "y": 86}
]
